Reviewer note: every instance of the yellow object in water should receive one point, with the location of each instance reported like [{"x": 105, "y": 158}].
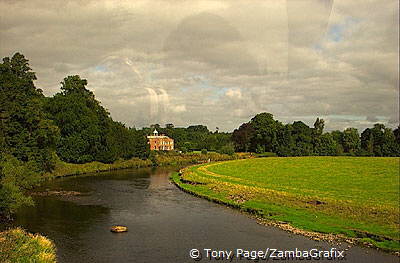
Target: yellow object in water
[{"x": 118, "y": 229}]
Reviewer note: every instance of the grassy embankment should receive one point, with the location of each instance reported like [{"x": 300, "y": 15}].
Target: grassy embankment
[
  {"x": 66, "y": 169},
  {"x": 157, "y": 159},
  {"x": 344, "y": 197},
  {"x": 16, "y": 245}
]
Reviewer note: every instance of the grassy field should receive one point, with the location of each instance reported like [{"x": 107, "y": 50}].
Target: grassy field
[
  {"x": 356, "y": 197},
  {"x": 16, "y": 245}
]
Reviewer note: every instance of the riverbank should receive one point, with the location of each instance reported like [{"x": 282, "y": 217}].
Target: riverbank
[
  {"x": 331, "y": 198},
  {"x": 156, "y": 159},
  {"x": 16, "y": 245},
  {"x": 63, "y": 169}
]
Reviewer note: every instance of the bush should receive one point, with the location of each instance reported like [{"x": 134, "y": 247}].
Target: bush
[
  {"x": 184, "y": 149},
  {"x": 16, "y": 177},
  {"x": 193, "y": 158},
  {"x": 228, "y": 149},
  {"x": 260, "y": 149},
  {"x": 267, "y": 154},
  {"x": 19, "y": 246},
  {"x": 203, "y": 151}
]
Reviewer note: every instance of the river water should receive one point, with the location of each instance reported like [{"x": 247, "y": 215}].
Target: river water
[{"x": 164, "y": 223}]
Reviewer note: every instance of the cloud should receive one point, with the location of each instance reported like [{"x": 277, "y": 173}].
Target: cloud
[
  {"x": 217, "y": 63},
  {"x": 234, "y": 93},
  {"x": 179, "y": 108}
]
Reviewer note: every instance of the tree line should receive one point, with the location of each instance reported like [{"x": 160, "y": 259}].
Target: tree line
[{"x": 265, "y": 134}]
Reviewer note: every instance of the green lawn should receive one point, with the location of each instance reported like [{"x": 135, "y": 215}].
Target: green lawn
[{"x": 353, "y": 196}]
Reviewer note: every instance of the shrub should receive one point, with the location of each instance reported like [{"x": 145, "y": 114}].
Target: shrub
[
  {"x": 203, "y": 151},
  {"x": 267, "y": 154},
  {"x": 184, "y": 149},
  {"x": 19, "y": 246},
  {"x": 228, "y": 149},
  {"x": 16, "y": 177}
]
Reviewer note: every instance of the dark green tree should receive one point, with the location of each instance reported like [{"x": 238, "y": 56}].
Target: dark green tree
[
  {"x": 286, "y": 141},
  {"x": 27, "y": 137},
  {"x": 327, "y": 145},
  {"x": 26, "y": 132},
  {"x": 265, "y": 133},
  {"x": 83, "y": 123},
  {"x": 319, "y": 126},
  {"x": 351, "y": 141},
  {"x": 302, "y": 136},
  {"x": 242, "y": 137},
  {"x": 338, "y": 137}
]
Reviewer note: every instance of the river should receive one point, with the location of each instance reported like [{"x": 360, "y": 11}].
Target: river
[{"x": 164, "y": 223}]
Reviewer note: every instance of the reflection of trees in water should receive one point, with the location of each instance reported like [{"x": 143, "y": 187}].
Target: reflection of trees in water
[
  {"x": 62, "y": 221},
  {"x": 53, "y": 215}
]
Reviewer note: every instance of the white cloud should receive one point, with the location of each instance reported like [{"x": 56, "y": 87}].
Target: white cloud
[{"x": 178, "y": 108}]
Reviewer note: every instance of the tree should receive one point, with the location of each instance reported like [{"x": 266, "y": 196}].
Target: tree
[
  {"x": 389, "y": 146},
  {"x": 351, "y": 141},
  {"x": 319, "y": 126},
  {"x": 317, "y": 133},
  {"x": 380, "y": 141},
  {"x": 28, "y": 138},
  {"x": 302, "y": 136},
  {"x": 242, "y": 137},
  {"x": 327, "y": 145},
  {"x": 83, "y": 123},
  {"x": 338, "y": 137},
  {"x": 227, "y": 149},
  {"x": 396, "y": 134},
  {"x": 16, "y": 177},
  {"x": 265, "y": 132},
  {"x": 197, "y": 136},
  {"x": 286, "y": 141},
  {"x": 26, "y": 132},
  {"x": 367, "y": 142},
  {"x": 155, "y": 126},
  {"x": 141, "y": 148}
]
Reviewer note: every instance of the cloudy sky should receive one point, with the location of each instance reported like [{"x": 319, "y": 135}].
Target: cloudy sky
[{"x": 217, "y": 63}]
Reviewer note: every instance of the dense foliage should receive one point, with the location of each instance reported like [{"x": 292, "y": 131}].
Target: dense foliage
[
  {"x": 264, "y": 134},
  {"x": 87, "y": 131},
  {"x": 27, "y": 137},
  {"x": 25, "y": 132}
]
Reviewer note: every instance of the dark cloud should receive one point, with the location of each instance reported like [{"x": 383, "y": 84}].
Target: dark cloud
[
  {"x": 210, "y": 39},
  {"x": 217, "y": 62}
]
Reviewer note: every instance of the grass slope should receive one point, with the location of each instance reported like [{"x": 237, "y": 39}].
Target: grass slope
[
  {"x": 66, "y": 169},
  {"x": 357, "y": 197}
]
